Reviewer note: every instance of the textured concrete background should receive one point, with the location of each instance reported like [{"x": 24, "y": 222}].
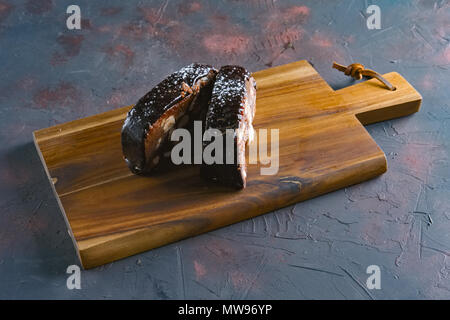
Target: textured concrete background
[{"x": 315, "y": 249}]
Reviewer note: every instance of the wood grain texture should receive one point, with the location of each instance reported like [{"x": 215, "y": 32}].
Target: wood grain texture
[{"x": 112, "y": 214}]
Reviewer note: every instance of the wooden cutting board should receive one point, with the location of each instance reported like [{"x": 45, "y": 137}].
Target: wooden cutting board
[{"x": 113, "y": 214}]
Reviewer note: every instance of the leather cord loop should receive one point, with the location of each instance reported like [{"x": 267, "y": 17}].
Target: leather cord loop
[{"x": 357, "y": 71}]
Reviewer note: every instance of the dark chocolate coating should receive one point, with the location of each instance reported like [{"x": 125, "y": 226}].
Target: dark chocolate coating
[
  {"x": 227, "y": 111},
  {"x": 151, "y": 107}
]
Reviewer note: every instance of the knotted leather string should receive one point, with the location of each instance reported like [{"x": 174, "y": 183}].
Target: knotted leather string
[{"x": 357, "y": 71}]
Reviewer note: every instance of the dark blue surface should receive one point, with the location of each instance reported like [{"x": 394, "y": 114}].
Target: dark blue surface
[{"x": 316, "y": 249}]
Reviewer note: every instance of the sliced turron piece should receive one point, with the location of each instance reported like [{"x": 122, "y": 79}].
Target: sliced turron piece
[
  {"x": 232, "y": 106},
  {"x": 175, "y": 102}
]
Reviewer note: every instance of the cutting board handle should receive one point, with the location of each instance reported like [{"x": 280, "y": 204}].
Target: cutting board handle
[{"x": 371, "y": 102}]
